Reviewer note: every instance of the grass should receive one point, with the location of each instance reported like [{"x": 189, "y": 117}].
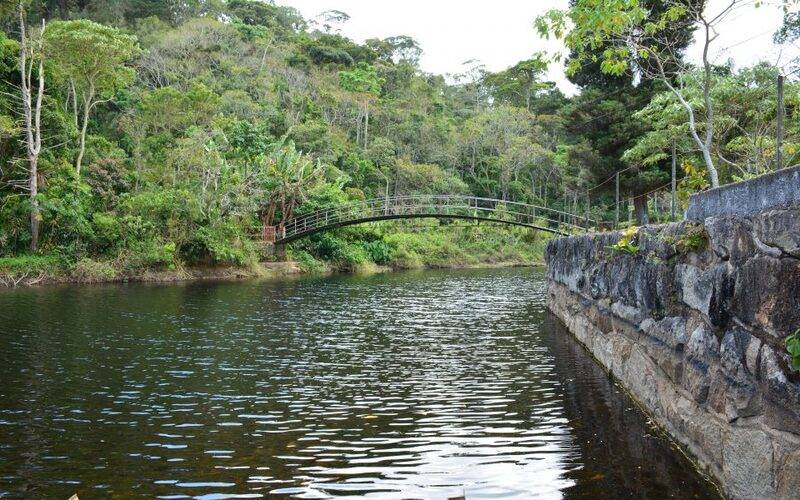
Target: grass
[{"x": 367, "y": 248}]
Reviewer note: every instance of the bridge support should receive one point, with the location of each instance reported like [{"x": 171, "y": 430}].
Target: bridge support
[{"x": 276, "y": 251}]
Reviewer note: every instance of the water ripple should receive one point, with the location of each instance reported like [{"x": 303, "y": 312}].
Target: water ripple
[{"x": 428, "y": 385}]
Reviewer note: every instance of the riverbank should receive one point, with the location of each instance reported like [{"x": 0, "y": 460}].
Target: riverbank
[
  {"x": 372, "y": 248},
  {"x": 44, "y": 271}
]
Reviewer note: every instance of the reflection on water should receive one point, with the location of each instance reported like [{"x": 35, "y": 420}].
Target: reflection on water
[{"x": 412, "y": 385}]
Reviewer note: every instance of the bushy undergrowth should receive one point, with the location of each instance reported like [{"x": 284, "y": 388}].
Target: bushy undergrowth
[{"x": 422, "y": 243}]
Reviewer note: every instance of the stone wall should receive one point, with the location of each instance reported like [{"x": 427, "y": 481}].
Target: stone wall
[
  {"x": 747, "y": 197},
  {"x": 694, "y": 325}
]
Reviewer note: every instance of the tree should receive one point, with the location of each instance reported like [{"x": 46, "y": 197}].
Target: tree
[
  {"x": 396, "y": 49},
  {"x": 31, "y": 56},
  {"x": 330, "y": 20},
  {"x": 364, "y": 81},
  {"x": 519, "y": 83},
  {"x": 283, "y": 179},
  {"x": 90, "y": 59},
  {"x": 629, "y": 35}
]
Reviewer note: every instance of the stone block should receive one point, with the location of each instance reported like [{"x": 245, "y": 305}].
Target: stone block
[
  {"x": 730, "y": 238},
  {"x": 702, "y": 347},
  {"x": 670, "y": 330},
  {"x": 737, "y": 394},
  {"x": 783, "y": 408},
  {"x": 766, "y": 294},
  {"x": 780, "y": 229},
  {"x": 788, "y": 477},
  {"x": 628, "y": 313},
  {"x": 747, "y": 459},
  {"x": 696, "y": 287}
]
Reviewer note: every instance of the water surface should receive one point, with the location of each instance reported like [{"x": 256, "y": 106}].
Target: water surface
[{"x": 410, "y": 385}]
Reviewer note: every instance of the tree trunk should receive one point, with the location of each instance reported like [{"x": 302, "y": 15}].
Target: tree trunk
[
  {"x": 386, "y": 203},
  {"x": 33, "y": 119},
  {"x": 366, "y": 125},
  {"x": 640, "y": 208},
  {"x": 84, "y": 125},
  {"x": 35, "y": 213}
]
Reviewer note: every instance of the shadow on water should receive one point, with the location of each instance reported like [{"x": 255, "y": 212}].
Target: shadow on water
[
  {"x": 624, "y": 455},
  {"x": 409, "y": 385}
]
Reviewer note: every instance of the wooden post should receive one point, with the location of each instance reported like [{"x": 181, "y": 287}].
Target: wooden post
[
  {"x": 779, "y": 126},
  {"x": 674, "y": 185},
  {"x": 616, "y": 210},
  {"x": 587, "y": 211},
  {"x": 630, "y": 210}
]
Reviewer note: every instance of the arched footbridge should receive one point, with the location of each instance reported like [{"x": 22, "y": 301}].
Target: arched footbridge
[{"x": 428, "y": 207}]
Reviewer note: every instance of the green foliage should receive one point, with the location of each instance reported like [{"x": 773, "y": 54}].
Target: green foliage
[
  {"x": 306, "y": 261},
  {"x": 379, "y": 251},
  {"x": 30, "y": 263},
  {"x": 793, "y": 348},
  {"x": 87, "y": 270},
  {"x": 234, "y": 115},
  {"x": 694, "y": 181},
  {"x": 225, "y": 242},
  {"x": 627, "y": 243},
  {"x": 91, "y": 56},
  {"x": 693, "y": 239},
  {"x": 363, "y": 79}
]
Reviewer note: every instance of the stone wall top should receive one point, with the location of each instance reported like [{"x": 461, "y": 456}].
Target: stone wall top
[{"x": 781, "y": 188}]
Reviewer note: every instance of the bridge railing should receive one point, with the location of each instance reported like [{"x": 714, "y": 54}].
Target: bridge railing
[{"x": 435, "y": 206}]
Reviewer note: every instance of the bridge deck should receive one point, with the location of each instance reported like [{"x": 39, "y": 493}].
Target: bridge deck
[{"x": 436, "y": 207}]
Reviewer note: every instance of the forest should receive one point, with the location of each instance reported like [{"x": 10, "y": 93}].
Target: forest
[{"x": 146, "y": 134}]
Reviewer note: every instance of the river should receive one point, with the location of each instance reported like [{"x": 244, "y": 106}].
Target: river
[{"x": 430, "y": 384}]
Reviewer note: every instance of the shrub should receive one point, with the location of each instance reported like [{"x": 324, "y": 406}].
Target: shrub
[
  {"x": 225, "y": 242},
  {"x": 107, "y": 229},
  {"x": 150, "y": 253},
  {"x": 36, "y": 263},
  {"x": 306, "y": 261},
  {"x": 693, "y": 239},
  {"x": 88, "y": 270},
  {"x": 379, "y": 251},
  {"x": 627, "y": 242},
  {"x": 793, "y": 348}
]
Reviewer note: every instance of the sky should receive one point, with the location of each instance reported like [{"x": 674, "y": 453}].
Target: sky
[{"x": 500, "y": 33}]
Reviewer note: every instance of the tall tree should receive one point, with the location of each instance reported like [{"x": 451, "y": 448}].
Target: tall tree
[
  {"x": 628, "y": 33},
  {"x": 363, "y": 80},
  {"x": 518, "y": 84},
  {"x": 32, "y": 92},
  {"x": 90, "y": 60}
]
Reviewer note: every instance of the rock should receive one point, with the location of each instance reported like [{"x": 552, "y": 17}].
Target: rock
[
  {"x": 704, "y": 432},
  {"x": 779, "y": 229},
  {"x": 670, "y": 330},
  {"x": 628, "y": 313},
  {"x": 702, "y": 347},
  {"x": 708, "y": 292},
  {"x": 732, "y": 351},
  {"x": 723, "y": 284},
  {"x": 766, "y": 249},
  {"x": 783, "y": 410},
  {"x": 765, "y": 295},
  {"x": 788, "y": 478},
  {"x": 730, "y": 238},
  {"x": 747, "y": 459},
  {"x": 657, "y": 240},
  {"x": 695, "y": 287},
  {"x": 751, "y": 355},
  {"x": 737, "y": 396},
  {"x": 698, "y": 337}
]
